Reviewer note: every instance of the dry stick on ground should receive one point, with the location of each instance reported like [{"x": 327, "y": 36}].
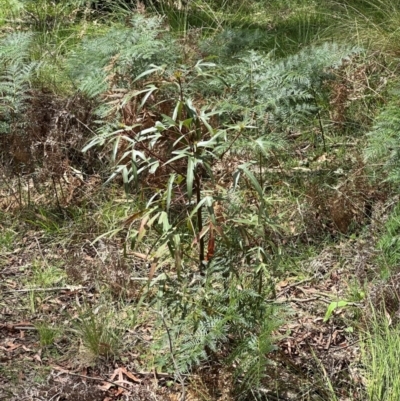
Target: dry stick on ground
[
  {"x": 47, "y": 289},
  {"x": 316, "y": 298},
  {"x": 17, "y": 327},
  {"x": 99, "y": 379},
  {"x": 158, "y": 374},
  {"x": 295, "y": 285}
]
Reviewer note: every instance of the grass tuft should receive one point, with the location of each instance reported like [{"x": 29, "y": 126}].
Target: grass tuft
[{"x": 380, "y": 357}]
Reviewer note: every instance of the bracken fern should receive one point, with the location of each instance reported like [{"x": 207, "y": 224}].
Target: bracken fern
[
  {"x": 384, "y": 139},
  {"x": 233, "y": 325},
  {"x": 282, "y": 93},
  {"x": 16, "y": 74}
]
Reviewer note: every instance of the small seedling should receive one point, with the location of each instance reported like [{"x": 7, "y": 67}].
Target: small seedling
[{"x": 332, "y": 306}]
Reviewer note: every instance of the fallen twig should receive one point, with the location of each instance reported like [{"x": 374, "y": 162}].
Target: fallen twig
[
  {"x": 99, "y": 379},
  {"x": 295, "y": 285},
  {"x": 74, "y": 288},
  {"x": 17, "y": 327},
  {"x": 316, "y": 298}
]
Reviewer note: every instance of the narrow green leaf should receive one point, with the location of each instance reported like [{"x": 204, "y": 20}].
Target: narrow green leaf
[
  {"x": 181, "y": 138},
  {"x": 150, "y": 71},
  {"x": 115, "y": 173},
  {"x": 164, "y": 221},
  {"x": 190, "y": 177},
  {"x": 207, "y": 144},
  {"x": 143, "y": 135},
  {"x": 91, "y": 144},
  {"x": 253, "y": 180},
  {"x": 178, "y": 256},
  {"x": 125, "y": 178},
  {"x": 236, "y": 177},
  {"x": 126, "y": 154},
  {"x": 153, "y": 219},
  {"x": 202, "y": 63},
  {"x": 261, "y": 145},
  {"x": 204, "y": 120},
  {"x": 153, "y": 166},
  {"x": 146, "y": 96},
  {"x": 115, "y": 148},
  {"x": 177, "y": 110},
  {"x": 206, "y": 200},
  {"x": 169, "y": 190},
  {"x": 191, "y": 108},
  {"x": 108, "y": 234},
  {"x": 332, "y": 306},
  {"x": 180, "y": 155},
  {"x": 185, "y": 123}
]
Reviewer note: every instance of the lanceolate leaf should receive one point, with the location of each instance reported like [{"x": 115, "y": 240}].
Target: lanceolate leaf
[
  {"x": 169, "y": 190},
  {"x": 177, "y": 253},
  {"x": 180, "y": 155},
  {"x": 153, "y": 166},
  {"x": 125, "y": 177},
  {"x": 151, "y": 89},
  {"x": 164, "y": 221},
  {"x": 115, "y": 173},
  {"x": 236, "y": 177},
  {"x": 190, "y": 108},
  {"x": 149, "y": 71},
  {"x": 253, "y": 180},
  {"x": 177, "y": 110},
  {"x": 190, "y": 177},
  {"x": 332, "y": 306},
  {"x": 208, "y": 200},
  {"x": 115, "y": 148},
  {"x": 135, "y": 173}
]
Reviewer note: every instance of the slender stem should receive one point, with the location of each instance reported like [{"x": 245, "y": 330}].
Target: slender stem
[
  {"x": 260, "y": 282},
  {"x": 322, "y": 130},
  {"x": 230, "y": 145},
  {"x": 178, "y": 373},
  {"x": 319, "y": 120},
  {"x": 181, "y": 98},
  {"x": 10, "y": 189},
  {"x": 20, "y": 189},
  {"x": 199, "y": 220},
  {"x": 56, "y": 193}
]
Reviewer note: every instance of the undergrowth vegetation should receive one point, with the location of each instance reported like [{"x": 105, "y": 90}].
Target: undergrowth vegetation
[{"x": 188, "y": 188}]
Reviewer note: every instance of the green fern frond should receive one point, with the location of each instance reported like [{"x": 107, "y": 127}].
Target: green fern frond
[
  {"x": 251, "y": 355},
  {"x": 16, "y": 74},
  {"x": 121, "y": 52},
  {"x": 384, "y": 141},
  {"x": 15, "y": 47},
  {"x": 285, "y": 90}
]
